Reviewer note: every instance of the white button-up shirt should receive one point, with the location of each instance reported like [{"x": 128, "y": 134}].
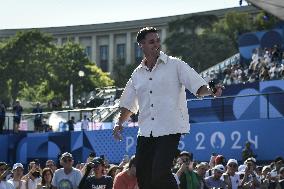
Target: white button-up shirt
[{"x": 160, "y": 97}]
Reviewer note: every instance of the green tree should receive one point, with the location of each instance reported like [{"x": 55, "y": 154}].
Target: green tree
[
  {"x": 34, "y": 69},
  {"x": 23, "y": 59},
  {"x": 192, "y": 40},
  {"x": 122, "y": 72}
]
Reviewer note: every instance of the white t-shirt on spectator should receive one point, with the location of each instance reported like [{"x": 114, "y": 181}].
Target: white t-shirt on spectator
[
  {"x": 63, "y": 181},
  {"x": 17, "y": 183},
  {"x": 235, "y": 180},
  {"x": 6, "y": 185}
]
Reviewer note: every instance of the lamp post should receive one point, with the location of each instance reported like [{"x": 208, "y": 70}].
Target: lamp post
[{"x": 80, "y": 74}]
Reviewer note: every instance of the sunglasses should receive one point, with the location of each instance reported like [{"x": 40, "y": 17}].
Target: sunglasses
[
  {"x": 67, "y": 160},
  {"x": 233, "y": 165}
]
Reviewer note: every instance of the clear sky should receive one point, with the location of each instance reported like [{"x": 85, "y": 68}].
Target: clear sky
[{"x": 50, "y": 13}]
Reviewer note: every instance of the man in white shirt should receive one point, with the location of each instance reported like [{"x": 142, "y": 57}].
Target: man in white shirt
[
  {"x": 67, "y": 177},
  {"x": 231, "y": 177},
  {"x": 157, "y": 89}
]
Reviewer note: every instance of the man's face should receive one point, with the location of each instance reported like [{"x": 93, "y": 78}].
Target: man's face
[
  {"x": 18, "y": 172},
  {"x": 217, "y": 174},
  {"x": 232, "y": 167},
  {"x": 67, "y": 162},
  {"x": 2, "y": 169},
  {"x": 151, "y": 45}
]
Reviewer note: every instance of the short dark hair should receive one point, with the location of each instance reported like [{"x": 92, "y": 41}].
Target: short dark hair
[
  {"x": 143, "y": 32},
  {"x": 132, "y": 162}
]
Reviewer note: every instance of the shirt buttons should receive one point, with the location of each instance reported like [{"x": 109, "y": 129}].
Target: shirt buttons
[
  {"x": 152, "y": 105},
  {"x": 151, "y": 92},
  {"x": 152, "y": 118},
  {"x": 150, "y": 78}
]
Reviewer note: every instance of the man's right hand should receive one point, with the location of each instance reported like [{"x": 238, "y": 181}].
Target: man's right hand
[{"x": 117, "y": 132}]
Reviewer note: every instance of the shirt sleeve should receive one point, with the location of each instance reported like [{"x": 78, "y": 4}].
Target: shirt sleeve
[
  {"x": 128, "y": 98},
  {"x": 53, "y": 181},
  {"x": 189, "y": 77}
]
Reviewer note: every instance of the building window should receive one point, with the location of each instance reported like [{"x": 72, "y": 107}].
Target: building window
[
  {"x": 138, "y": 53},
  {"x": 120, "y": 52},
  {"x": 88, "y": 52},
  {"x": 104, "y": 57}
]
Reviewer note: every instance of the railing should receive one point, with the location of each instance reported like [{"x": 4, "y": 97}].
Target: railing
[
  {"x": 241, "y": 107},
  {"x": 226, "y": 108}
]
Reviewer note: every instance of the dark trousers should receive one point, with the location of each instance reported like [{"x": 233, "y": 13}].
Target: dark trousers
[
  {"x": 154, "y": 156},
  {"x": 2, "y": 121}
]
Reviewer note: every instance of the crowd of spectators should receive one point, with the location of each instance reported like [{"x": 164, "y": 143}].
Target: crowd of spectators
[
  {"x": 266, "y": 64},
  {"x": 97, "y": 172}
]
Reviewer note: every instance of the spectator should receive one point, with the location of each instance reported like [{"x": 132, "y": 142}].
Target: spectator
[
  {"x": 33, "y": 177},
  {"x": 230, "y": 177},
  {"x": 281, "y": 177},
  {"x": 113, "y": 171},
  {"x": 215, "y": 181},
  {"x": 98, "y": 180},
  {"x": 17, "y": 110},
  {"x": 85, "y": 123},
  {"x": 71, "y": 123},
  {"x": 47, "y": 175},
  {"x": 2, "y": 116},
  {"x": 4, "y": 174},
  {"x": 251, "y": 179},
  {"x": 247, "y": 151},
  {"x": 51, "y": 164},
  {"x": 18, "y": 172},
  {"x": 68, "y": 176},
  {"x": 127, "y": 179},
  {"x": 38, "y": 118},
  {"x": 190, "y": 179}
]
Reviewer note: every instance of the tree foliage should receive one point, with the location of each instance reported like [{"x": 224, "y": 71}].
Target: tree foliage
[
  {"x": 204, "y": 40},
  {"x": 35, "y": 69}
]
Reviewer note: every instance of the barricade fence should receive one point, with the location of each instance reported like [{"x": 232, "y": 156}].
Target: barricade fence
[{"x": 226, "y": 108}]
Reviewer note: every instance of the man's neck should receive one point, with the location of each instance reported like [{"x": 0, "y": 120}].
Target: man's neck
[
  {"x": 67, "y": 170},
  {"x": 150, "y": 61}
]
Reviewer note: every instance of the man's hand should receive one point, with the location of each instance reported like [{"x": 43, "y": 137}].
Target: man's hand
[
  {"x": 219, "y": 88},
  {"x": 117, "y": 132}
]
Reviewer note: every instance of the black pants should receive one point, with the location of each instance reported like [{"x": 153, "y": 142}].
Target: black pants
[
  {"x": 2, "y": 121},
  {"x": 154, "y": 156}
]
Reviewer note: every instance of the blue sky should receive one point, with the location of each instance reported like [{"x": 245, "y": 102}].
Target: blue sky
[{"x": 50, "y": 13}]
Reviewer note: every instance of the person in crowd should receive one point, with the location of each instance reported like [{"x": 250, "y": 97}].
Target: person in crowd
[
  {"x": 17, "y": 110},
  {"x": 85, "y": 123},
  {"x": 247, "y": 152},
  {"x": 218, "y": 160},
  {"x": 98, "y": 179},
  {"x": 17, "y": 181},
  {"x": 231, "y": 177},
  {"x": 71, "y": 123},
  {"x": 2, "y": 116},
  {"x": 127, "y": 178},
  {"x": 113, "y": 170},
  {"x": 5, "y": 173},
  {"x": 33, "y": 177},
  {"x": 67, "y": 177},
  {"x": 157, "y": 89},
  {"x": 183, "y": 157},
  {"x": 191, "y": 179},
  {"x": 281, "y": 178},
  {"x": 47, "y": 175},
  {"x": 50, "y": 164},
  {"x": 250, "y": 179},
  {"x": 38, "y": 118},
  {"x": 215, "y": 181}
]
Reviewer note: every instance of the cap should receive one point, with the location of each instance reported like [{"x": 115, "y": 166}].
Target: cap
[
  {"x": 232, "y": 161},
  {"x": 184, "y": 153},
  {"x": 242, "y": 168},
  {"x": 219, "y": 159},
  {"x": 17, "y": 165},
  {"x": 66, "y": 154},
  {"x": 98, "y": 161},
  {"x": 201, "y": 165},
  {"x": 265, "y": 168},
  {"x": 251, "y": 159},
  {"x": 220, "y": 168}
]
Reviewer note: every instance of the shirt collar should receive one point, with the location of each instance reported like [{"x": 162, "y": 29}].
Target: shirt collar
[{"x": 161, "y": 59}]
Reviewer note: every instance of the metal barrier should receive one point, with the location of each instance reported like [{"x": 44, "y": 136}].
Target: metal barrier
[{"x": 226, "y": 108}]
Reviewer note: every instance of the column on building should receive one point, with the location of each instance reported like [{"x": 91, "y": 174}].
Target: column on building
[
  {"x": 77, "y": 40},
  {"x": 163, "y": 38},
  {"x": 59, "y": 41},
  {"x": 128, "y": 48},
  {"x": 111, "y": 51},
  {"x": 94, "y": 49}
]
